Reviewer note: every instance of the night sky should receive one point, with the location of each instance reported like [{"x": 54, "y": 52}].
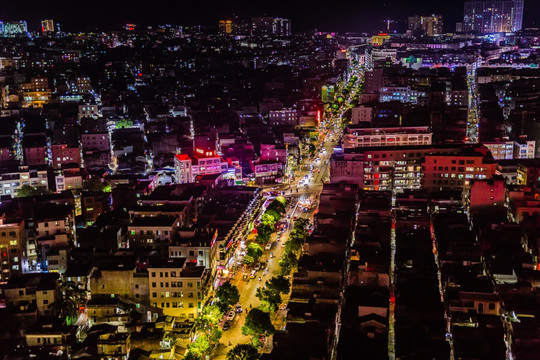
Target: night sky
[{"x": 350, "y": 15}]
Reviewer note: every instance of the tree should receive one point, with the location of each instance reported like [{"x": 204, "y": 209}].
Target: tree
[
  {"x": 254, "y": 250},
  {"x": 123, "y": 123},
  {"x": 208, "y": 319},
  {"x": 96, "y": 184},
  {"x": 243, "y": 352},
  {"x": 28, "y": 190},
  {"x": 288, "y": 263},
  {"x": 258, "y": 323},
  {"x": 270, "y": 300},
  {"x": 190, "y": 355},
  {"x": 201, "y": 346},
  {"x": 270, "y": 295},
  {"x": 279, "y": 284},
  {"x": 248, "y": 260},
  {"x": 227, "y": 295},
  {"x": 301, "y": 224}
]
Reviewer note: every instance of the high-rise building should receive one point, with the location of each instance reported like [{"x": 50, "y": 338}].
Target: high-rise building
[
  {"x": 47, "y": 26},
  {"x": 431, "y": 25},
  {"x": 271, "y": 26},
  {"x": 493, "y": 16},
  {"x": 225, "y": 26},
  {"x": 15, "y": 28}
]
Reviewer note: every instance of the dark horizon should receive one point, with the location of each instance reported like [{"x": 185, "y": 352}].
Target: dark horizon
[{"x": 361, "y": 16}]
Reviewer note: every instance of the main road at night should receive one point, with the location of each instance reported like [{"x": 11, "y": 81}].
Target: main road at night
[{"x": 305, "y": 189}]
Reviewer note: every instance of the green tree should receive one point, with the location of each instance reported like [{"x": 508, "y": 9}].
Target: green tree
[
  {"x": 288, "y": 263},
  {"x": 254, "y": 250},
  {"x": 278, "y": 205},
  {"x": 279, "y": 284},
  {"x": 208, "y": 319},
  {"x": 201, "y": 346},
  {"x": 123, "y": 123},
  {"x": 190, "y": 355},
  {"x": 257, "y": 323},
  {"x": 301, "y": 225},
  {"x": 227, "y": 295},
  {"x": 28, "y": 190},
  {"x": 243, "y": 352},
  {"x": 96, "y": 184},
  {"x": 270, "y": 295},
  {"x": 248, "y": 260},
  {"x": 270, "y": 300}
]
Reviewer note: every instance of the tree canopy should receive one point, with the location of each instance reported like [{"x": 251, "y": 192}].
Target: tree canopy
[
  {"x": 227, "y": 295},
  {"x": 28, "y": 190},
  {"x": 243, "y": 352},
  {"x": 254, "y": 250},
  {"x": 258, "y": 323}
]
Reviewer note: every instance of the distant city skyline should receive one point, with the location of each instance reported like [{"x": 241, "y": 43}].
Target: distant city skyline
[{"x": 359, "y": 16}]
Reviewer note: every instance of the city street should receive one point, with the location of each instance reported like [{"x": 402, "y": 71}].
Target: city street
[
  {"x": 306, "y": 188},
  {"x": 248, "y": 288}
]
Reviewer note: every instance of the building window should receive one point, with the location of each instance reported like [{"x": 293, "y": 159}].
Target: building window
[{"x": 153, "y": 284}]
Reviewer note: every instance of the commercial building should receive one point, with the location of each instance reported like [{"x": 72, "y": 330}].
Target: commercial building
[
  {"x": 390, "y": 136},
  {"x": 492, "y": 16},
  {"x": 403, "y": 94},
  {"x": 411, "y": 167},
  {"x": 188, "y": 168}
]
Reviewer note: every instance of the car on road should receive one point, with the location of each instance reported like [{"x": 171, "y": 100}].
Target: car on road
[
  {"x": 230, "y": 315},
  {"x": 226, "y": 325},
  {"x": 253, "y": 273},
  {"x": 268, "y": 246},
  {"x": 238, "y": 308}
]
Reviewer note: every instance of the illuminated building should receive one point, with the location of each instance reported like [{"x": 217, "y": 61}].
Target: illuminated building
[
  {"x": 434, "y": 168},
  {"x": 12, "y": 246},
  {"x": 266, "y": 26},
  {"x": 176, "y": 287},
  {"x": 401, "y": 94},
  {"x": 47, "y": 26},
  {"x": 327, "y": 93},
  {"x": 282, "y": 117},
  {"x": 431, "y": 25},
  {"x": 225, "y": 26},
  {"x": 392, "y": 136},
  {"x": 492, "y": 16},
  {"x": 12, "y": 180},
  {"x": 62, "y": 154},
  {"x": 187, "y": 169},
  {"x": 15, "y": 28},
  {"x": 379, "y": 39}
]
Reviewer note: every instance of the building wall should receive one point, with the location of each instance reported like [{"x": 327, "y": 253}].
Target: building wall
[
  {"x": 183, "y": 300},
  {"x": 452, "y": 172},
  {"x": 487, "y": 192},
  {"x": 61, "y": 154}
]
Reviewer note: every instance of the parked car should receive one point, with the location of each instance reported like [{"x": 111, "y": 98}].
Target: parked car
[
  {"x": 258, "y": 267},
  {"x": 268, "y": 246},
  {"x": 238, "y": 308},
  {"x": 226, "y": 325},
  {"x": 230, "y": 315},
  {"x": 252, "y": 275}
]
